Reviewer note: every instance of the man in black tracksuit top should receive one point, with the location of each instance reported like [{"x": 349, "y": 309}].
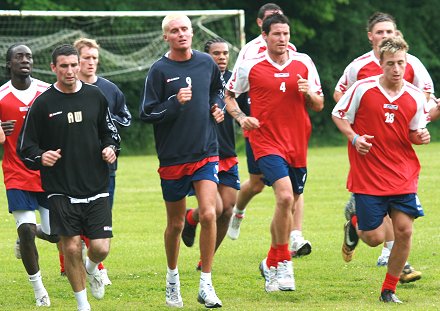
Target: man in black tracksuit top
[
  {"x": 179, "y": 97},
  {"x": 69, "y": 136}
]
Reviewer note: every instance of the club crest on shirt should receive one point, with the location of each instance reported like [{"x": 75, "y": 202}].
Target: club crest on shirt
[
  {"x": 281, "y": 74},
  {"x": 390, "y": 106}
]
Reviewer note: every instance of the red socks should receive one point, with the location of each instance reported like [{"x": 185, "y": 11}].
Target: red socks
[
  {"x": 272, "y": 257},
  {"x": 283, "y": 252},
  {"x": 390, "y": 282},
  {"x": 190, "y": 219},
  {"x": 354, "y": 220}
]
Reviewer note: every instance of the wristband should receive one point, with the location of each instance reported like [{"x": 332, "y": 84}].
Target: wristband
[{"x": 353, "y": 142}]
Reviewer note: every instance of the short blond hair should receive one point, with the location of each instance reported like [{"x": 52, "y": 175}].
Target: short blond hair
[
  {"x": 172, "y": 17},
  {"x": 392, "y": 45},
  {"x": 85, "y": 42}
]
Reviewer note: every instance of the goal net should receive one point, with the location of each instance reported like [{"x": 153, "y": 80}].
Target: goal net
[{"x": 130, "y": 41}]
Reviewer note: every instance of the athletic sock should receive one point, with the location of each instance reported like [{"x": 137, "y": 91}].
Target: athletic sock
[
  {"x": 354, "y": 221},
  {"x": 81, "y": 299},
  {"x": 62, "y": 270},
  {"x": 172, "y": 275},
  {"x": 205, "y": 278},
  {"x": 283, "y": 252},
  {"x": 190, "y": 219},
  {"x": 91, "y": 267},
  {"x": 37, "y": 283},
  {"x": 272, "y": 257},
  {"x": 238, "y": 213},
  {"x": 390, "y": 283},
  {"x": 389, "y": 245}
]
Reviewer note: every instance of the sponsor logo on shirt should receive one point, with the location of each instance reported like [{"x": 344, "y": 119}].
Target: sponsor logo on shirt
[
  {"x": 54, "y": 114},
  {"x": 281, "y": 75},
  {"x": 389, "y": 106},
  {"x": 172, "y": 79},
  {"x": 23, "y": 109}
]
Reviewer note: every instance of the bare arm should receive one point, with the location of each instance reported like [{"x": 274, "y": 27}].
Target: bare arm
[
  {"x": 420, "y": 136},
  {"x": 246, "y": 123},
  {"x": 359, "y": 142},
  {"x": 2, "y": 136},
  {"x": 313, "y": 100},
  {"x": 434, "y": 113},
  {"x": 337, "y": 95}
]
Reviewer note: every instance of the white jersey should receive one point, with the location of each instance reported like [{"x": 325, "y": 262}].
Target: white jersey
[
  {"x": 368, "y": 65},
  {"x": 254, "y": 48}
]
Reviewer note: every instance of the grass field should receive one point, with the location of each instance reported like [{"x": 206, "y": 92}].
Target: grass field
[{"x": 137, "y": 263}]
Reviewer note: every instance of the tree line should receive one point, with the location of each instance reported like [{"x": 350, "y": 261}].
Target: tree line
[{"x": 331, "y": 32}]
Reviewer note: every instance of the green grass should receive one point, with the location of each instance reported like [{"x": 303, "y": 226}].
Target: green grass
[{"x": 137, "y": 263}]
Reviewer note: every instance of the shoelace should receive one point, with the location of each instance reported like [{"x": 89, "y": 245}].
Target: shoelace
[
  {"x": 173, "y": 291},
  {"x": 283, "y": 271},
  {"x": 42, "y": 301}
]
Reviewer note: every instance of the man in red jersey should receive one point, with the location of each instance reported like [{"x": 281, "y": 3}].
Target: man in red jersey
[
  {"x": 281, "y": 85},
  {"x": 23, "y": 186},
  {"x": 254, "y": 185},
  {"x": 381, "y": 26},
  {"x": 382, "y": 117}
]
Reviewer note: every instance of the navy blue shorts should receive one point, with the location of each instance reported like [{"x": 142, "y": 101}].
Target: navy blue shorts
[
  {"x": 21, "y": 200},
  {"x": 371, "y": 209},
  {"x": 251, "y": 163},
  {"x": 275, "y": 167},
  {"x": 176, "y": 189},
  {"x": 230, "y": 178}
]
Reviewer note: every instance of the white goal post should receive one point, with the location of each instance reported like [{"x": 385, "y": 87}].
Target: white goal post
[{"x": 131, "y": 41}]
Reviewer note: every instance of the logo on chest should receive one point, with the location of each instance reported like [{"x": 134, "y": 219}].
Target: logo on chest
[
  {"x": 281, "y": 75},
  {"x": 390, "y": 106},
  {"x": 74, "y": 117}
]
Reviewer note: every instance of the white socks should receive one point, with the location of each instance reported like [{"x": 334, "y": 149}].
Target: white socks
[
  {"x": 205, "y": 278},
  {"x": 91, "y": 267},
  {"x": 173, "y": 275},
  {"x": 37, "y": 283},
  {"x": 81, "y": 299}
]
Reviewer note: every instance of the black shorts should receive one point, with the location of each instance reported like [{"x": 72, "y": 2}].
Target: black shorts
[{"x": 92, "y": 219}]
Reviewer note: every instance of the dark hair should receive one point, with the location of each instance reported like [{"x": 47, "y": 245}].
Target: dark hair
[
  {"x": 211, "y": 41},
  {"x": 66, "y": 50},
  {"x": 9, "y": 53},
  {"x": 267, "y": 7},
  {"x": 379, "y": 17},
  {"x": 274, "y": 19}
]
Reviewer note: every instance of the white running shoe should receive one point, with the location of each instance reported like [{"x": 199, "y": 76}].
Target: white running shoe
[
  {"x": 234, "y": 226},
  {"x": 105, "y": 278},
  {"x": 172, "y": 295},
  {"x": 85, "y": 308},
  {"x": 300, "y": 246},
  {"x": 17, "y": 249},
  {"x": 285, "y": 276},
  {"x": 97, "y": 287},
  {"x": 208, "y": 297},
  {"x": 382, "y": 260},
  {"x": 270, "y": 276},
  {"x": 43, "y": 301}
]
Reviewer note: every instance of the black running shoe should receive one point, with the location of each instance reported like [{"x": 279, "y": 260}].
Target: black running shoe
[
  {"x": 351, "y": 239},
  {"x": 389, "y": 296},
  {"x": 189, "y": 232}
]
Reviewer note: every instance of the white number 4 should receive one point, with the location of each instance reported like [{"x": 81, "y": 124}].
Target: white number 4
[
  {"x": 283, "y": 87},
  {"x": 389, "y": 117}
]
